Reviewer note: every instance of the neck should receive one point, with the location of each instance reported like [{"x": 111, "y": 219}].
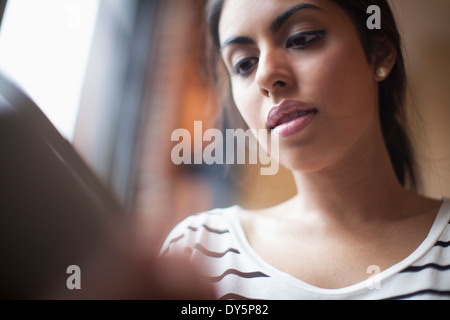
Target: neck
[{"x": 362, "y": 186}]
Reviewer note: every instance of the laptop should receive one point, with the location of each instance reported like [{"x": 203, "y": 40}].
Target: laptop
[{"x": 53, "y": 208}]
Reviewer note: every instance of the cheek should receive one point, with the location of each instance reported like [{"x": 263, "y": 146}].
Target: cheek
[
  {"x": 339, "y": 83},
  {"x": 247, "y": 105},
  {"x": 343, "y": 81}
]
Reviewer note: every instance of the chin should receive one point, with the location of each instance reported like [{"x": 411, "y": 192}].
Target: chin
[{"x": 301, "y": 163}]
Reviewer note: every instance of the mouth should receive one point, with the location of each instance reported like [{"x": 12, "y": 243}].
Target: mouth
[{"x": 290, "y": 117}]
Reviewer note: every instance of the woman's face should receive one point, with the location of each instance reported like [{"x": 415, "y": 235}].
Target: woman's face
[{"x": 298, "y": 69}]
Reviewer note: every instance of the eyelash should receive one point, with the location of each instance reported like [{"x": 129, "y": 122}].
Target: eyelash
[
  {"x": 316, "y": 35},
  {"x": 290, "y": 44}
]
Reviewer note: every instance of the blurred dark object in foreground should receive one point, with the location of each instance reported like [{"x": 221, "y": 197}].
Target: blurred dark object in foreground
[{"x": 55, "y": 213}]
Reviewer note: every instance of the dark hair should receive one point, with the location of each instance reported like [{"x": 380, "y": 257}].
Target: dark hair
[{"x": 392, "y": 91}]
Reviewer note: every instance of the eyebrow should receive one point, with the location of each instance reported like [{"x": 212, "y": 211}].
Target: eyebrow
[
  {"x": 237, "y": 40},
  {"x": 274, "y": 26},
  {"x": 282, "y": 18}
]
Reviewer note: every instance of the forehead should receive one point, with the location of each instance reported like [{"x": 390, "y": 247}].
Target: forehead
[{"x": 240, "y": 17}]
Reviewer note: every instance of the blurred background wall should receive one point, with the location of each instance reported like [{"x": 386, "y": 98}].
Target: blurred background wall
[
  {"x": 426, "y": 29},
  {"x": 142, "y": 80}
]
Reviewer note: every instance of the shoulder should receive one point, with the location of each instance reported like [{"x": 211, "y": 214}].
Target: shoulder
[{"x": 200, "y": 229}]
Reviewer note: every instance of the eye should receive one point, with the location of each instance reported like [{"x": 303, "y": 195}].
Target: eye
[
  {"x": 303, "y": 39},
  {"x": 244, "y": 66}
]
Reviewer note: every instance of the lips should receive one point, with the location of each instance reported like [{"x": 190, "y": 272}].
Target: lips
[{"x": 290, "y": 117}]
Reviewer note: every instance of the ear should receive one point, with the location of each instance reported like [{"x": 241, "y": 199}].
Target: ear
[{"x": 384, "y": 59}]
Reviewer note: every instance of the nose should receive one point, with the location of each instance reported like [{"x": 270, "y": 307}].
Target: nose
[{"x": 275, "y": 73}]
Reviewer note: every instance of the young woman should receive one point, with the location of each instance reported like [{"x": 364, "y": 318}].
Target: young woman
[{"x": 331, "y": 89}]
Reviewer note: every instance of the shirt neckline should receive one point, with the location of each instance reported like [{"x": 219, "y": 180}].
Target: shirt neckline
[{"x": 440, "y": 223}]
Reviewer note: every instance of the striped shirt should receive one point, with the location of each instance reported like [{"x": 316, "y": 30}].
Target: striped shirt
[{"x": 215, "y": 241}]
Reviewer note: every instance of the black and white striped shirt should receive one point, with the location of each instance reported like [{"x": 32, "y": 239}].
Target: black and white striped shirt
[{"x": 216, "y": 241}]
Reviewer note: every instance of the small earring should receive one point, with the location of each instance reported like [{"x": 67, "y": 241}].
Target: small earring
[{"x": 382, "y": 73}]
